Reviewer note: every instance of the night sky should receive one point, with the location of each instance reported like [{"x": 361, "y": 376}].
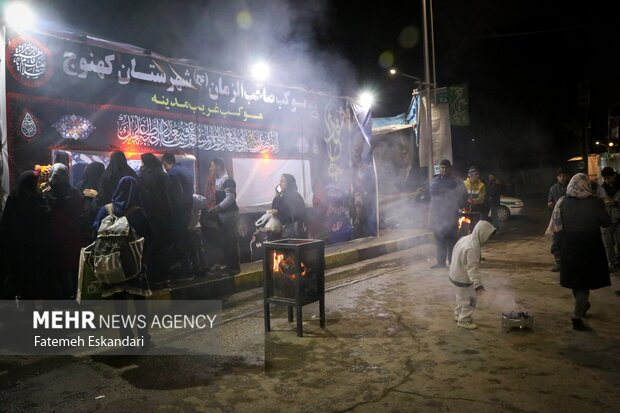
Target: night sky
[{"x": 523, "y": 60}]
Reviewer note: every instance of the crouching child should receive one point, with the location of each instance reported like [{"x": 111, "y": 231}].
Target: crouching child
[{"x": 464, "y": 273}]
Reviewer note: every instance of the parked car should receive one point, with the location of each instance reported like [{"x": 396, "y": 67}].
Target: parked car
[{"x": 509, "y": 206}]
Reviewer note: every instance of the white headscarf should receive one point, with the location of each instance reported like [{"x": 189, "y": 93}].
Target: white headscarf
[{"x": 578, "y": 187}]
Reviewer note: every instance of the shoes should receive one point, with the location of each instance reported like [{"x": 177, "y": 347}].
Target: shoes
[
  {"x": 467, "y": 325},
  {"x": 438, "y": 266},
  {"x": 579, "y": 325},
  {"x": 556, "y": 268},
  {"x": 456, "y": 318},
  {"x": 586, "y": 309}
]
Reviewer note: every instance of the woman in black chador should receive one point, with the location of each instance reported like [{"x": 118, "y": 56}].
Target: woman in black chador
[
  {"x": 154, "y": 196},
  {"x": 88, "y": 186},
  {"x": 290, "y": 208},
  {"x": 66, "y": 232},
  {"x": 117, "y": 168},
  {"x": 24, "y": 243},
  {"x": 577, "y": 218}
]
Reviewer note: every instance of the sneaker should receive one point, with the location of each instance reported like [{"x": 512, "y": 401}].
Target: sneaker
[
  {"x": 467, "y": 324},
  {"x": 556, "y": 268},
  {"x": 438, "y": 266}
]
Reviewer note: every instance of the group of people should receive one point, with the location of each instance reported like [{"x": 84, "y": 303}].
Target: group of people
[
  {"x": 450, "y": 196},
  {"x": 584, "y": 226},
  {"x": 45, "y": 224}
]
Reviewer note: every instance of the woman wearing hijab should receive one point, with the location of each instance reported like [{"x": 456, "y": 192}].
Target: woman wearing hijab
[
  {"x": 577, "y": 218},
  {"x": 66, "y": 231},
  {"x": 290, "y": 207},
  {"x": 125, "y": 204},
  {"x": 88, "y": 185},
  {"x": 24, "y": 244},
  {"x": 154, "y": 194},
  {"x": 117, "y": 168}
]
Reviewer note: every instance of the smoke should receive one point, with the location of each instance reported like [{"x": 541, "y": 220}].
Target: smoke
[
  {"x": 220, "y": 35},
  {"x": 235, "y": 34}
]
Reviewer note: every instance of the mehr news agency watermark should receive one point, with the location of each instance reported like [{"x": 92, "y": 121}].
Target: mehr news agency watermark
[{"x": 64, "y": 327}]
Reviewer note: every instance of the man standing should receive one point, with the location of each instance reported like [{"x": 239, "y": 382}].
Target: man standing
[
  {"x": 610, "y": 193},
  {"x": 557, "y": 191},
  {"x": 181, "y": 196},
  {"x": 227, "y": 212},
  {"x": 476, "y": 191},
  {"x": 447, "y": 196}
]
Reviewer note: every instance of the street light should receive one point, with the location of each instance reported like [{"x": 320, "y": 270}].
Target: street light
[
  {"x": 260, "y": 71},
  {"x": 18, "y": 15},
  {"x": 393, "y": 71}
]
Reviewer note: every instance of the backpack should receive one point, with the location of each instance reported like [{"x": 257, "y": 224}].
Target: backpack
[{"x": 116, "y": 254}]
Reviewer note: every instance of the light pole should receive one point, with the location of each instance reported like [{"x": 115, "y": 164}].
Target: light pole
[{"x": 427, "y": 92}]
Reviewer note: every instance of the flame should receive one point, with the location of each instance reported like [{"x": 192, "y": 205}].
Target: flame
[
  {"x": 279, "y": 262},
  {"x": 464, "y": 220}
]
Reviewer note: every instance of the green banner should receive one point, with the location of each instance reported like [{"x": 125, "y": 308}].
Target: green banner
[{"x": 457, "y": 97}]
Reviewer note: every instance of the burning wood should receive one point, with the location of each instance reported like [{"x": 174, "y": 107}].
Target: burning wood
[
  {"x": 286, "y": 266},
  {"x": 464, "y": 220}
]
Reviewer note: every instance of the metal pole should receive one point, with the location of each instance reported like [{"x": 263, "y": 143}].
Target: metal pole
[
  {"x": 433, "y": 54},
  {"x": 427, "y": 89}
]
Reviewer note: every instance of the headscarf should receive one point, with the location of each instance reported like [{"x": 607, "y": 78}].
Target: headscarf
[
  {"x": 118, "y": 166},
  {"x": 27, "y": 184},
  {"x": 125, "y": 196},
  {"x": 59, "y": 176},
  {"x": 291, "y": 184},
  {"x": 578, "y": 187},
  {"x": 92, "y": 176},
  {"x": 150, "y": 161},
  {"x": 59, "y": 183}
]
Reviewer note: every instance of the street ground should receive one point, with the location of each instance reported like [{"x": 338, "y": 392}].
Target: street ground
[{"x": 390, "y": 345}]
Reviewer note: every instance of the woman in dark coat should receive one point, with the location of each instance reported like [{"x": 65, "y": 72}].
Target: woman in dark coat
[
  {"x": 117, "y": 168},
  {"x": 577, "y": 217},
  {"x": 67, "y": 236},
  {"x": 88, "y": 186},
  {"x": 24, "y": 243},
  {"x": 154, "y": 194},
  {"x": 290, "y": 208},
  {"x": 125, "y": 203}
]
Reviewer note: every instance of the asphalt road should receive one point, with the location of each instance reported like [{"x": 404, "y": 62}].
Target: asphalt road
[{"x": 390, "y": 344}]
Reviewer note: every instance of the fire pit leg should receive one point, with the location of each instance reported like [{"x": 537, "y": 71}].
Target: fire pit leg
[
  {"x": 299, "y": 321},
  {"x": 267, "y": 317},
  {"x": 290, "y": 313},
  {"x": 322, "y": 312}
]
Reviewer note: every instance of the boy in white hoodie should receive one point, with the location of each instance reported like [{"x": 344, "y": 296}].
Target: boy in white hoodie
[{"x": 464, "y": 273}]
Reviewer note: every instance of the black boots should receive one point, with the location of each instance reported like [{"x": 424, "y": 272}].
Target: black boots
[{"x": 579, "y": 325}]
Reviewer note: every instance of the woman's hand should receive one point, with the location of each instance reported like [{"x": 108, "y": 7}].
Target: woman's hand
[{"x": 91, "y": 193}]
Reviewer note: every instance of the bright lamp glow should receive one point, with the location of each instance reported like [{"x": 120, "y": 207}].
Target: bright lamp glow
[
  {"x": 392, "y": 71},
  {"x": 18, "y": 15},
  {"x": 260, "y": 71},
  {"x": 366, "y": 98}
]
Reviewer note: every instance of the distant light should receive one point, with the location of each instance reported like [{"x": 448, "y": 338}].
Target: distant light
[
  {"x": 611, "y": 144},
  {"x": 386, "y": 59},
  {"x": 392, "y": 71},
  {"x": 366, "y": 99},
  {"x": 260, "y": 71},
  {"x": 18, "y": 15},
  {"x": 244, "y": 19},
  {"x": 597, "y": 142}
]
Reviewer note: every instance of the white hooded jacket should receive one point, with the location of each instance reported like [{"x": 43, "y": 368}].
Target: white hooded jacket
[{"x": 466, "y": 256}]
